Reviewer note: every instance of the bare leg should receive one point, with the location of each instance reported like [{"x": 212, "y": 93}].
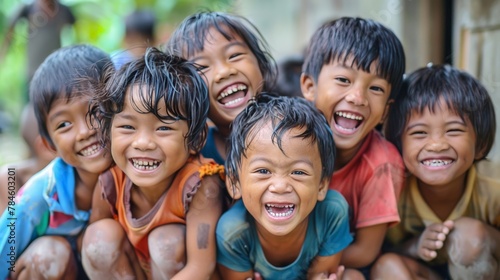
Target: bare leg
[
  {"x": 167, "y": 246},
  {"x": 107, "y": 253},
  {"x": 473, "y": 250},
  {"x": 47, "y": 257},
  {"x": 394, "y": 266}
]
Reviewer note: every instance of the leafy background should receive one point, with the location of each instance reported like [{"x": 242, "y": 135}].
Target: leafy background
[{"x": 97, "y": 22}]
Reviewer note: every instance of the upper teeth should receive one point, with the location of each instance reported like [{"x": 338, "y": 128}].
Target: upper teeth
[
  {"x": 90, "y": 150},
  {"x": 231, "y": 90},
  {"x": 279, "y": 206},
  {"x": 144, "y": 164},
  {"x": 349, "y": 116},
  {"x": 436, "y": 162}
]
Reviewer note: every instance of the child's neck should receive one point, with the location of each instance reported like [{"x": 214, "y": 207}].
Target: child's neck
[
  {"x": 142, "y": 200},
  {"x": 84, "y": 190},
  {"x": 443, "y": 199},
  {"x": 283, "y": 250}
]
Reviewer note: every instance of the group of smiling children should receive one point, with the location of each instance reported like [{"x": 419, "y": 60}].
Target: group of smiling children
[{"x": 310, "y": 189}]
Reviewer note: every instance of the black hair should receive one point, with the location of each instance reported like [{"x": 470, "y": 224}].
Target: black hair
[
  {"x": 167, "y": 78},
  {"x": 426, "y": 87},
  {"x": 65, "y": 74},
  {"x": 283, "y": 113},
  {"x": 190, "y": 37},
  {"x": 141, "y": 21},
  {"x": 365, "y": 41},
  {"x": 289, "y": 71}
]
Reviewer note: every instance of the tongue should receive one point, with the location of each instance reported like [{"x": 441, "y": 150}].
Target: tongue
[
  {"x": 235, "y": 95},
  {"x": 346, "y": 123}
]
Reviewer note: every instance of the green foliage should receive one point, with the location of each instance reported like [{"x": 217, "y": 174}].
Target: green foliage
[{"x": 97, "y": 22}]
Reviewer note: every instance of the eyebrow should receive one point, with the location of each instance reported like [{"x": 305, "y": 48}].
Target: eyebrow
[
  {"x": 255, "y": 159},
  {"x": 424, "y": 124},
  {"x": 57, "y": 114},
  {"x": 232, "y": 43}
]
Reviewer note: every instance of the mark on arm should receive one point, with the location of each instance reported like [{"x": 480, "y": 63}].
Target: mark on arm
[{"x": 202, "y": 236}]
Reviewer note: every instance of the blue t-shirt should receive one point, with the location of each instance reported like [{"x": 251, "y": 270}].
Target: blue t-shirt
[
  {"x": 210, "y": 150},
  {"x": 239, "y": 249},
  {"x": 45, "y": 205}
]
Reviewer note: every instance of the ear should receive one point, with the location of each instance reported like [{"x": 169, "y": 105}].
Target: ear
[
  {"x": 48, "y": 145},
  {"x": 234, "y": 190},
  {"x": 386, "y": 110},
  {"x": 323, "y": 189},
  {"x": 308, "y": 87}
]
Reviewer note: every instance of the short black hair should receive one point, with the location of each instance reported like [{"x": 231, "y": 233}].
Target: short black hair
[
  {"x": 190, "y": 37},
  {"x": 426, "y": 87},
  {"x": 283, "y": 113},
  {"x": 141, "y": 21},
  {"x": 365, "y": 40},
  {"x": 65, "y": 74},
  {"x": 167, "y": 78}
]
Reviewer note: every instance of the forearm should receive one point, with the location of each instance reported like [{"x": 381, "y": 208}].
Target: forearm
[{"x": 355, "y": 256}]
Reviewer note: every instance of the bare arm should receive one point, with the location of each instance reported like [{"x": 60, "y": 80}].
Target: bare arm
[
  {"x": 366, "y": 246},
  {"x": 321, "y": 267},
  {"x": 201, "y": 220},
  {"x": 100, "y": 206}
]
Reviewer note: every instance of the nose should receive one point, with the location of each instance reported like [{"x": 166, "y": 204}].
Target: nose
[
  {"x": 223, "y": 71},
  {"x": 84, "y": 130},
  {"x": 357, "y": 97},
  {"x": 437, "y": 143},
  {"x": 280, "y": 185},
  {"x": 143, "y": 141}
]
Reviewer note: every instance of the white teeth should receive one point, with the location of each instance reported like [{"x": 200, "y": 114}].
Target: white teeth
[
  {"x": 289, "y": 210},
  {"x": 436, "y": 162},
  {"x": 231, "y": 90},
  {"x": 90, "y": 150},
  {"x": 233, "y": 101},
  {"x": 349, "y": 116},
  {"x": 145, "y": 165}
]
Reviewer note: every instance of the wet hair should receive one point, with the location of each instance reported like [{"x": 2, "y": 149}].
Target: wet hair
[
  {"x": 284, "y": 114},
  {"x": 365, "y": 41},
  {"x": 463, "y": 94},
  {"x": 65, "y": 74},
  {"x": 191, "y": 35},
  {"x": 170, "y": 81}
]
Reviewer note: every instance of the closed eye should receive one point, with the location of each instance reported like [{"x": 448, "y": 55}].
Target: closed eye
[
  {"x": 234, "y": 55},
  {"x": 199, "y": 67}
]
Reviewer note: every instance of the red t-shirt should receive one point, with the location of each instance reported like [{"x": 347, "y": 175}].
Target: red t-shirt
[{"x": 371, "y": 183}]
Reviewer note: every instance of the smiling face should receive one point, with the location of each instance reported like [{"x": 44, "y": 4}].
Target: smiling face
[
  {"x": 148, "y": 150},
  {"x": 74, "y": 141},
  {"x": 280, "y": 189},
  {"x": 232, "y": 74},
  {"x": 353, "y": 101},
  {"x": 438, "y": 147}
]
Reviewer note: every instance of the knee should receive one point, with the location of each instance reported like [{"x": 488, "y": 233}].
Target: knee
[
  {"x": 102, "y": 243},
  {"x": 50, "y": 257},
  {"x": 467, "y": 242},
  {"x": 167, "y": 247}
]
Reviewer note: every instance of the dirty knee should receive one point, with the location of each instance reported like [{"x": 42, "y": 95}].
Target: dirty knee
[
  {"x": 102, "y": 243},
  {"x": 167, "y": 245},
  {"x": 467, "y": 242}
]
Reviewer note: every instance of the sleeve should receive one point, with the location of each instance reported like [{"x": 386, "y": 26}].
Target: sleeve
[
  {"x": 378, "y": 203},
  {"x": 19, "y": 224},
  {"x": 233, "y": 251},
  {"x": 107, "y": 183},
  {"x": 336, "y": 211}
]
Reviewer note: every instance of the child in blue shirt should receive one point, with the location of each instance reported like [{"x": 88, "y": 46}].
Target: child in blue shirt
[
  {"x": 286, "y": 224},
  {"x": 50, "y": 212}
]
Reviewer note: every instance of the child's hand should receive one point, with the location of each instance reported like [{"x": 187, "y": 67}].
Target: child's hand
[
  {"x": 333, "y": 276},
  {"x": 432, "y": 239}
]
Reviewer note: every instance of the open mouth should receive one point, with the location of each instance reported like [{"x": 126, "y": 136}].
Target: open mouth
[
  {"x": 233, "y": 94},
  {"x": 436, "y": 162},
  {"x": 348, "y": 121},
  {"x": 280, "y": 210},
  {"x": 145, "y": 164},
  {"x": 90, "y": 150}
]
